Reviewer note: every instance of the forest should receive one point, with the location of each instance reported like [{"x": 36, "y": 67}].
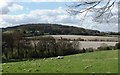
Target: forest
[{"x": 54, "y": 29}]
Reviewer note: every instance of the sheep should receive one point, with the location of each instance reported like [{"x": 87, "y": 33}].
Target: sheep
[
  {"x": 38, "y": 66},
  {"x": 36, "y": 70},
  {"x": 29, "y": 70},
  {"x": 108, "y": 72},
  {"x": 4, "y": 63},
  {"x": 68, "y": 60},
  {"x": 87, "y": 67},
  {"x": 44, "y": 59},
  {"x": 24, "y": 69},
  {"x": 51, "y": 58},
  {"x": 60, "y": 57},
  {"x": 7, "y": 66}
]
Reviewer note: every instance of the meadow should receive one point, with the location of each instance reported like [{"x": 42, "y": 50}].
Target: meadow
[{"x": 93, "y": 62}]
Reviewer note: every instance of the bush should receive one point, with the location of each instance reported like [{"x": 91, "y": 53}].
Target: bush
[
  {"x": 80, "y": 39},
  {"x": 107, "y": 48},
  {"x": 118, "y": 45},
  {"x": 89, "y": 50}
]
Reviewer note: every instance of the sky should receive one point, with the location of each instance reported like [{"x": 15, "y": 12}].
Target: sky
[{"x": 13, "y": 13}]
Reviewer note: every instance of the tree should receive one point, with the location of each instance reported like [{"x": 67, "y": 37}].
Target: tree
[
  {"x": 7, "y": 45},
  {"x": 46, "y": 47},
  {"x": 26, "y": 48},
  {"x": 104, "y": 46},
  {"x": 101, "y": 12},
  {"x": 118, "y": 45},
  {"x": 17, "y": 42}
]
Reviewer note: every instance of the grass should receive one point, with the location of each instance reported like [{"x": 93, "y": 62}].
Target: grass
[{"x": 94, "y": 62}]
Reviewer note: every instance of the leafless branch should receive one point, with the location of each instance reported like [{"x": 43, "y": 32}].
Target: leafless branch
[{"x": 81, "y": 7}]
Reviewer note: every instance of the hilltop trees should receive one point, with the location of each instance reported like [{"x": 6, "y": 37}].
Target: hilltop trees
[{"x": 30, "y": 30}]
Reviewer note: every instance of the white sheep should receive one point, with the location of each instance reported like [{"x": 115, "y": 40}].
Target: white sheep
[
  {"x": 4, "y": 63},
  {"x": 44, "y": 59},
  {"x": 24, "y": 69},
  {"x": 87, "y": 67},
  {"x": 60, "y": 57},
  {"x": 51, "y": 58}
]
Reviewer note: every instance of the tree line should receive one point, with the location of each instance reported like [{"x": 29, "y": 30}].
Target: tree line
[
  {"x": 52, "y": 29},
  {"x": 16, "y": 46}
]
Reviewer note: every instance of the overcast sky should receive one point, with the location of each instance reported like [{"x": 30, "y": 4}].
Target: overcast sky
[{"x": 39, "y": 11}]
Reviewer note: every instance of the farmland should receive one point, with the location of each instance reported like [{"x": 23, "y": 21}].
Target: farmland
[
  {"x": 87, "y": 38},
  {"x": 40, "y": 48},
  {"x": 94, "y": 62},
  {"x": 89, "y": 41},
  {"x": 95, "y": 45}
]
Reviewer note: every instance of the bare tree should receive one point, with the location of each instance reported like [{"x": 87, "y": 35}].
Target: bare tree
[{"x": 101, "y": 9}]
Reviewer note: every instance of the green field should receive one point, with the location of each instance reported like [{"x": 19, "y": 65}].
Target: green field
[{"x": 94, "y": 62}]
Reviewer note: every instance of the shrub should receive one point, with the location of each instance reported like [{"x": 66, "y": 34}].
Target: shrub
[
  {"x": 106, "y": 48},
  {"x": 89, "y": 50},
  {"x": 82, "y": 50},
  {"x": 118, "y": 45},
  {"x": 80, "y": 39}
]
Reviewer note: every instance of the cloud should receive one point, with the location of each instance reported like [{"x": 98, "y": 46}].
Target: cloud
[
  {"x": 40, "y": 16},
  {"x": 4, "y": 8},
  {"x": 15, "y": 7},
  {"x": 56, "y": 16},
  {"x": 54, "y": 0},
  {"x": 63, "y": 0},
  {"x": 9, "y": 6},
  {"x": 51, "y": 0}
]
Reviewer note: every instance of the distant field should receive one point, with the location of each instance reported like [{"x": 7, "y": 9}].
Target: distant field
[
  {"x": 94, "y": 44},
  {"x": 110, "y": 41},
  {"x": 86, "y": 37},
  {"x": 94, "y": 62}
]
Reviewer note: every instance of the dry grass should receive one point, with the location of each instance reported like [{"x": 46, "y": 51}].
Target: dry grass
[{"x": 86, "y": 37}]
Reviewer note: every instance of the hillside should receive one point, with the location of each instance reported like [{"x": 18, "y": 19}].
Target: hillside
[
  {"x": 94, "y": 62},
  {"x": 51, "y": 29}
]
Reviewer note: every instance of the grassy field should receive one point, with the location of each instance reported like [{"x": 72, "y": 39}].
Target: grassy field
[{"x": 94, "y": 62}]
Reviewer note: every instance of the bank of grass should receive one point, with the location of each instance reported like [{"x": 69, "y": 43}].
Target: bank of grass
[{"x": 94, "y": 62}]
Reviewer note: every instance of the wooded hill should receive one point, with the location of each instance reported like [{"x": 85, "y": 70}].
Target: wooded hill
[{"x": 51, "y": 29}]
